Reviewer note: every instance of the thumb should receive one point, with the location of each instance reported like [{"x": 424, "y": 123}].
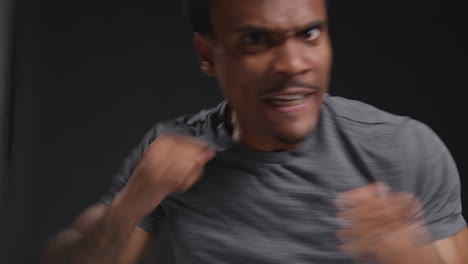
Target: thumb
[{"x": 205, "y": 155}]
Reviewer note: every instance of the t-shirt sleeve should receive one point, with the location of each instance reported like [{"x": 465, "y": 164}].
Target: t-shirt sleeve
[
  {"x": 437, "y": 182},
  {"x": 150, "y": 222}
]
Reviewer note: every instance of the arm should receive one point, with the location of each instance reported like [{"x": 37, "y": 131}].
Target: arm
[
  {"x": 451, "y": 250},
  {"x": 386, "y": 227},
  {"x": 440, "y": 195},
  {"x": 109, "y": 235},
  {"x": 98, "y": 237}
]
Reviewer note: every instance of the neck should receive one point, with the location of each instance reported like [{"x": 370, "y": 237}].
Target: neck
[{"x": 264, "y": 143}]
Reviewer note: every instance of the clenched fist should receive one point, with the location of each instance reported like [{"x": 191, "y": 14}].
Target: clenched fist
[
  {"x": 172, "y": 163},
  {"x": 380, "y": 225}
]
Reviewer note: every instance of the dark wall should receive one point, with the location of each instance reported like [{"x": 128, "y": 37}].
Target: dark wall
[
  {"x": 6, "y": 31},
  {"x": 407, "y": 57},
  {"x": 92, "y": 76}
]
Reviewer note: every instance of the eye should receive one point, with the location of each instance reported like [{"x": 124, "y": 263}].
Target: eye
[
  {"x": 312, "y": 34},
  {"x": 254, "y": 42},
  {"x": 254, "y": 38}
]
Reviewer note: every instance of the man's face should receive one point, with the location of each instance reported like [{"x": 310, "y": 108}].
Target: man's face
[{"x": 272, "y": 59}]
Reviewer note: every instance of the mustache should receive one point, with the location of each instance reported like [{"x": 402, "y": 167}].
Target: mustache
[{"x": 291, "y": 83}]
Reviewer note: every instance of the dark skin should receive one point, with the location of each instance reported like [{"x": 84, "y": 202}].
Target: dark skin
[
  {"x": 262, "y": 48},
  {"x": 388, "y": 227},
  {"x": 272, "y": 59}
]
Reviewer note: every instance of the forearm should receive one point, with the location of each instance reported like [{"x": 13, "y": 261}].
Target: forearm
[
  {"x": 101, "y": 245},
  {"x": 414, "y": 257},
  {"x": 426, "y": 254}
]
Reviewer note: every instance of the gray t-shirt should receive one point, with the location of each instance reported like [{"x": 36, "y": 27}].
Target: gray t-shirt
[{"x": 278, "y": 207}]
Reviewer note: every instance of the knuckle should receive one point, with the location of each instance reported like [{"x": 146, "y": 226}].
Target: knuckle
[
  {"x": 179, "y": 181},
  {"x": 186, "y": 166},
  {"x": 197, "y": 163},
  {"x": 163, "y": 137}
]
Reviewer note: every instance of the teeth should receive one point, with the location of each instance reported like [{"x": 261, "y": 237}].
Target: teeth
[
  {"x": 289, "y": 97},
  {"x": 287, "y": 102}
]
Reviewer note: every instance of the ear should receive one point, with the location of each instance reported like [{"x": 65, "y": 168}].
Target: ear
[{"x": 204, "y": 49}]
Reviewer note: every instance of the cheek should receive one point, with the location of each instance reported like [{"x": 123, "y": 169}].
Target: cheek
[
  {"x": 325, "y": 63},
  {"x": 240, "y": 77}
]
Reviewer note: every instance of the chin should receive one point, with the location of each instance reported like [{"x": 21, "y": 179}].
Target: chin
[
  {"x": 292, "y": 135},
  {"x": 290, "y": 140}
]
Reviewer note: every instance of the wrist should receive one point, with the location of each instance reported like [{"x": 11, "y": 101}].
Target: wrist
[
  {"x": 121, "y": 213},
  {"x": 131, "y": 207},
  {"x": 406, "y": 246},
  {"x": 404, "y": 251}
]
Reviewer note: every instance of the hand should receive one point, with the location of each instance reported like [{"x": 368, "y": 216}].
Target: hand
[
  {"x": 172, "y": 163},
  {"x": 378, "y": 224}
]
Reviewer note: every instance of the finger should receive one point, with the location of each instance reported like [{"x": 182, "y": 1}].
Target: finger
[
  {"x": 378, "y": 239},
  {"x": 382, "y": 209},
  {"x": 199, "y": 151},
  {"x": 190, "y": 171},
  {"x": 197, "y": 143},
  {"x": 204, "y": 156},
  {"x": 181, "y": 174},
  {"x": 194, "y": 177},
  {"x": 363, "y": 235},
  {"x": 370, "y": 227},
  {"x": 181, "y": 147},
  {"x": 412, "y": 211},
  {"x": 357, "y": 196},
  {"x": 394, "y": 235}
]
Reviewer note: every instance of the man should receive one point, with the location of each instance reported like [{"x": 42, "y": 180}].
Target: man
[{"x": 281, "y": 172}]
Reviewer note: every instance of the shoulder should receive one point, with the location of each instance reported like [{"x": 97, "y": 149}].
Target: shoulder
[
  {"x": 359, "y": 112},
  {"x": 196, "y": 124},
  {"x": 369, "y": 121}
]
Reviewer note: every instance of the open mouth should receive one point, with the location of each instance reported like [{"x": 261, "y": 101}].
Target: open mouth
[{"x": 290, "y": 102}]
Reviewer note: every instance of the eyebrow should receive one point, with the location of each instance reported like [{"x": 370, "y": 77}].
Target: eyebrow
[{"x": 259, "y": 29}]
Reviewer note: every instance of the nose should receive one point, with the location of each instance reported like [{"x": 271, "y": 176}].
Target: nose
[{"x": 290, "y": 59}]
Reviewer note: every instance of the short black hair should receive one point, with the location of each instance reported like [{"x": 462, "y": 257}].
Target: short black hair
[{"x": 198, "y": 12}]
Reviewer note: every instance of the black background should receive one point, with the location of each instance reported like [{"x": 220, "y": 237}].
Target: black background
[{"x": 90, "y": 77}]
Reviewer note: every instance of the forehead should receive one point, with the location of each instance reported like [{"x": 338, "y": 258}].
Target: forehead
[{"x": 274, "y": 14}]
